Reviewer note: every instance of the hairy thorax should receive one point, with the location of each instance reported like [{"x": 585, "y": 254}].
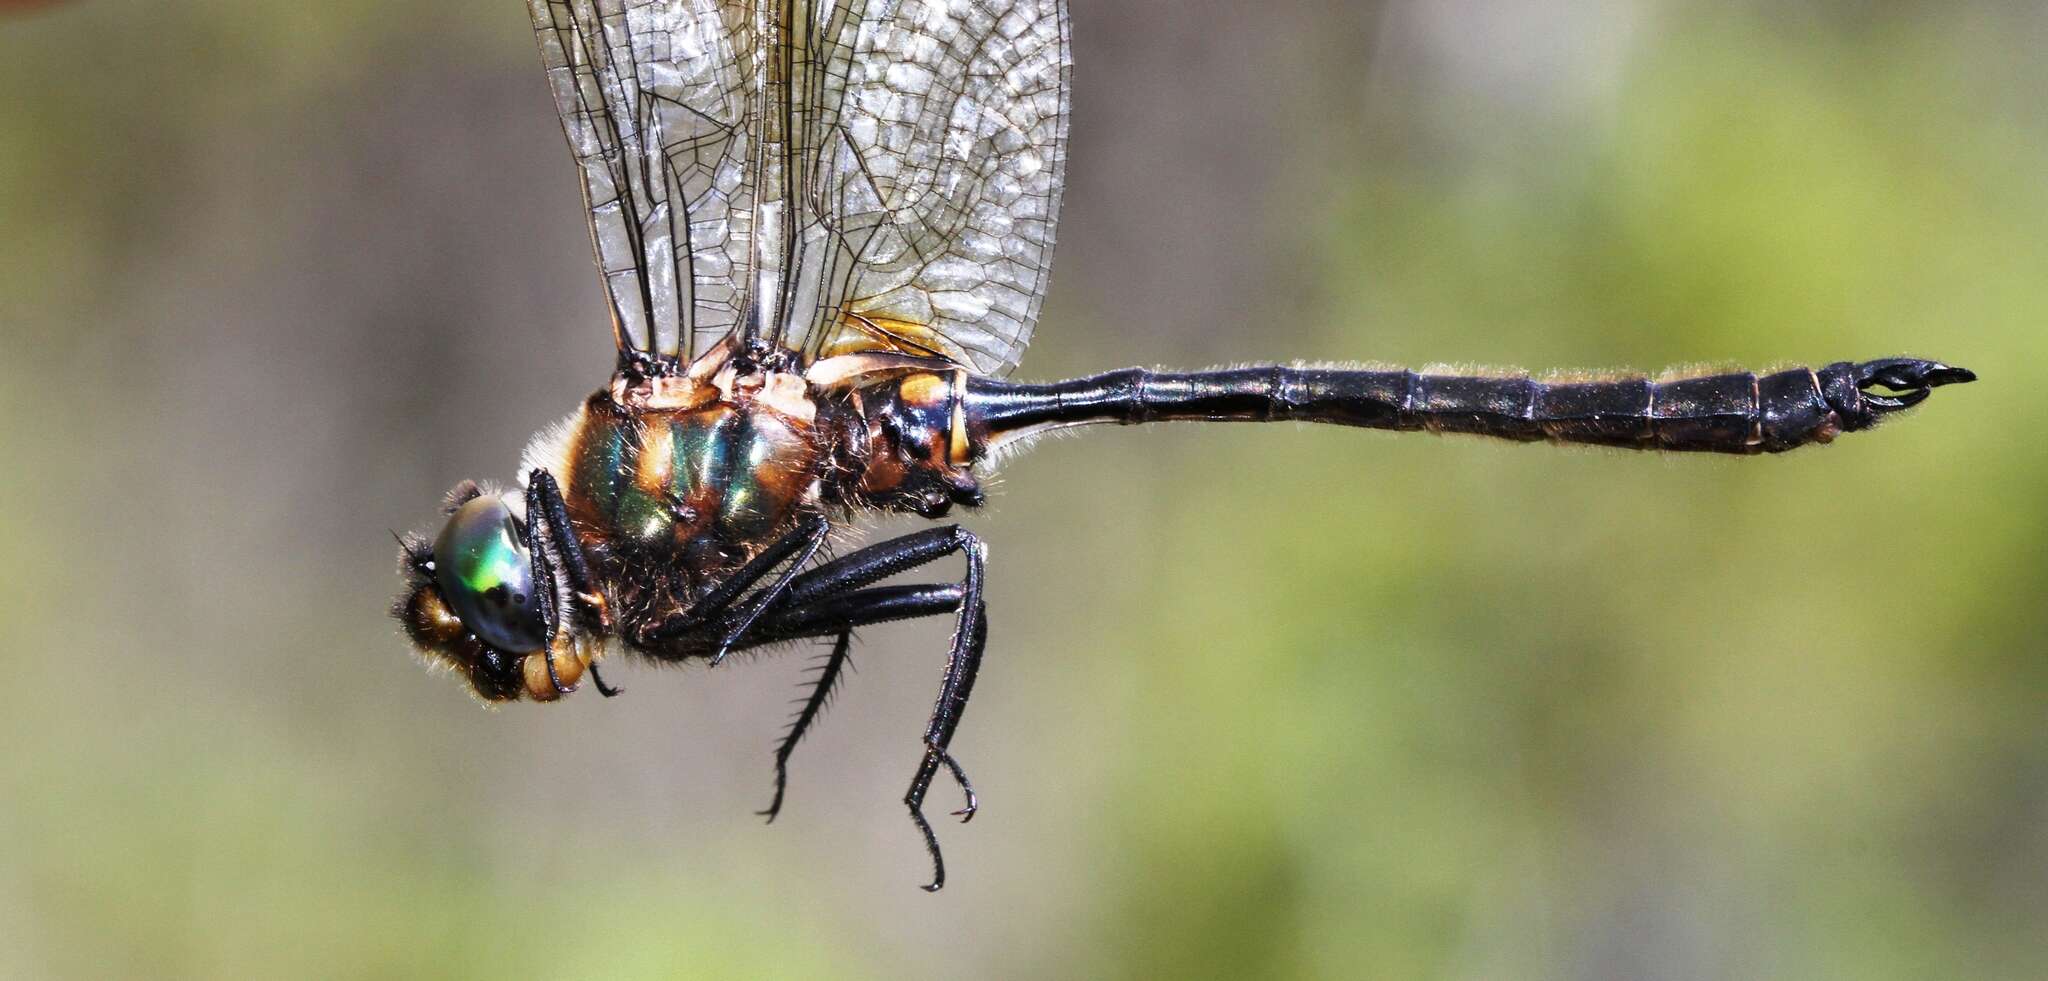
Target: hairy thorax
[{"x": 672, "y": 483}]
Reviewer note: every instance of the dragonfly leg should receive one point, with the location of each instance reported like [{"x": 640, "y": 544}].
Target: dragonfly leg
[
  {"x": 970, "y": 640},
  {"x": 547, "y": 523},
  {"x": 801, "y": 543},
  {"x": 531, "y": 538},
  {"x": 870, "y": 565},
  {"x": 833, "y": 598},
  {"x": 809, "y": 598},
  {"x": 821, "y": 693},
  {"x": 602, "y": 688},
  {"x": 838, "y": 615},
  {"x": 546, "y": 509}
]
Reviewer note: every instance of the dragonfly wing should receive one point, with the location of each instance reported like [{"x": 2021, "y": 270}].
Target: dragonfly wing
[
  {"x": 932, "y": 187},
  {"x": 655, "y": 100},
  {"x": 825, "y": 176}
]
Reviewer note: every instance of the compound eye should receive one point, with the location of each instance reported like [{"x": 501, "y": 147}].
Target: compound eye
[{"x": 487, "y": 579}]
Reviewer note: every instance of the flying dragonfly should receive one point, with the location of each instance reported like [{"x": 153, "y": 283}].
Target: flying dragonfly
[{"x": 824, "y": 230}]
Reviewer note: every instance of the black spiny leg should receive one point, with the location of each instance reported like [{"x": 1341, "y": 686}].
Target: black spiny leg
[
  {"x": 802, "y": 542},
  {"x": 602, "y": 688},
  {"x": 547, "y": 523},
  {"x": 531, "y": 538},
  {"x": 821, "y": 693},
  {"x": 544, "y": 505},
  {"x": 831, "y": 599},
  {"x": 870, "y": 565},
  {"x": 970, "y": 639}
]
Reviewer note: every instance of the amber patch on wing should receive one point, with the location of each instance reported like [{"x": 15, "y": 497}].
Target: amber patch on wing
[{"x": 858, "y": 333}]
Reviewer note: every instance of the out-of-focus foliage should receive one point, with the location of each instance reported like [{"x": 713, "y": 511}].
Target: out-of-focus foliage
[{"x": 1264, "y": 701}]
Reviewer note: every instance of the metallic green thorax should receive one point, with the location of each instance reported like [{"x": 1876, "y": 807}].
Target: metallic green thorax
[{"x": 711, "y": 484}]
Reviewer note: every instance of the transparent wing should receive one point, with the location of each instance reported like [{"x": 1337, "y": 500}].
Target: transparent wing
[
  {"x": 655, "y": 98},
  {"x": 933, "y": 185},
  {"x": 826, "y": 176}
]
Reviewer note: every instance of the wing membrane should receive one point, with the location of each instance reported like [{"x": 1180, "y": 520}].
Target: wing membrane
[
  {"x": 826, "y": 176},
  {"x": 938, "y": 184},
  {"x": 655, "y": 102}
]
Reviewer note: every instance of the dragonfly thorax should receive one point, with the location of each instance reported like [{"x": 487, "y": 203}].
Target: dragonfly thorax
[
  {"x": 698, "y": 483},
  {"x": 676, "y": 481}
]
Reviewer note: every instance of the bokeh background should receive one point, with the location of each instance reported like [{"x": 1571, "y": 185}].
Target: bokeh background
[{"x": 1263, "y": 701}]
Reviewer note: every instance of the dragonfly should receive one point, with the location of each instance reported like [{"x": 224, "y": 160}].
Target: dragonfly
[{"x": 824, "y": 230}]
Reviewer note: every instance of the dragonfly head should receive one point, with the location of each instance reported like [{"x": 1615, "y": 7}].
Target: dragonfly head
[{"x": 471, "y": 602}]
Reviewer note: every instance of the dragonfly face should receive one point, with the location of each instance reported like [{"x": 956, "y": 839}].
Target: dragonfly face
[
  {"x": 824, "y": 231},
  {"x": 475, "y": 605},
  {"x": 486, "y": 576}
]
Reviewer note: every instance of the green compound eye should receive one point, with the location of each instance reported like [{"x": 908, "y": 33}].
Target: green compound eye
[{"x": 487, "y": 579}]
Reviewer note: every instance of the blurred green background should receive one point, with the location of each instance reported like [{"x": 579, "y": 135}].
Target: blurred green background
[{"x": 1262, "y": 701}]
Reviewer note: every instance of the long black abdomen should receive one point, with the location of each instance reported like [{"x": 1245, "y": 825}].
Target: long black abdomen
[{"x": 1726, "y": 413}]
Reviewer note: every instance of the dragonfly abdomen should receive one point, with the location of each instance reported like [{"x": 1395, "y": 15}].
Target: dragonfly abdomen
[{"x": 1737, "y": 412}]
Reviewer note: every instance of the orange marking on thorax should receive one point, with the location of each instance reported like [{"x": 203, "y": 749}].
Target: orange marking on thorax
[
  {"x": 925, "y": 389},
  {"x": 959, "y": 450},
  {"x": 654, "y": 473}
]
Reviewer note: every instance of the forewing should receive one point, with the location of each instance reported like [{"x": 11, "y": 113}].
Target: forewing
[
  {"x": 656, "y": 100},
  {"x": 830, "y": 176},
  {"x": 932, "y": 191}
]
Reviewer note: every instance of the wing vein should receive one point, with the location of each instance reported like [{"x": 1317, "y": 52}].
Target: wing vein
[{"x": 821, "y": 177}]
